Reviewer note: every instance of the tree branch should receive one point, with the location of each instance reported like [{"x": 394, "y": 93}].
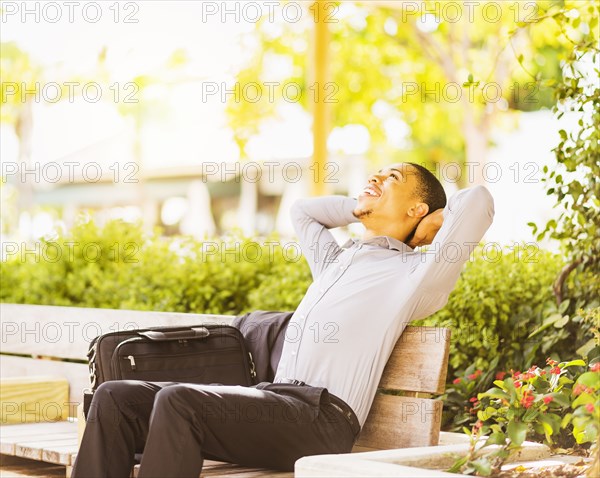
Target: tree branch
[{"x": 557, "y": 287}]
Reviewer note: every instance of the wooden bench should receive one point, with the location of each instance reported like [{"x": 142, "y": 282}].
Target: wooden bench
[{"x": 37, "y": 340}]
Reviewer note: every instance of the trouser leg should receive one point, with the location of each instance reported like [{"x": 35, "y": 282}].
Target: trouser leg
[
  {"x": 242, "y": 425},
  {"x": 116, "y": 428}
]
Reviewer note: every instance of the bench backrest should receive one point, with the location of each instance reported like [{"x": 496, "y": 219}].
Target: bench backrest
[
  {"x": 37, "y": 339},
  {"x": 402, "y": 414}
]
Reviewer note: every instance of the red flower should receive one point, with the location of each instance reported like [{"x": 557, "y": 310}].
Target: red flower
[
  {"x": 595, "y": 367},
  {"x": 578, "y": 389},
  {"x": 548, "y": 399},
  {"x": 500, "y": 375},
  {"x": 518, "y": 384},
  {"x": 590, "y": 407},
  {"x": 473, "y": 399},
  {"x": 555, "y": 370},
  {"x": 479, "y": 424},
  {"x": 527, "y": 400},
  {"x": 456, "y": 380},
  {"x": 551, "y": 362}
]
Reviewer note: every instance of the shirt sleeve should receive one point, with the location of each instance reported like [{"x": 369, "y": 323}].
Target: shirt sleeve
[
  {"x": 312, "y": 218},
  {"x": 467, "y": 216}
]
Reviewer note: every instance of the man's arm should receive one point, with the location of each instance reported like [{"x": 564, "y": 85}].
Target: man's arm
[
  {"x": 466, "y": 218},
  {"x": 312, "y": 219}
]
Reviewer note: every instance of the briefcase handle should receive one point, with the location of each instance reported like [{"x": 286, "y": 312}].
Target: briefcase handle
[{"x": 193, "y": 333}]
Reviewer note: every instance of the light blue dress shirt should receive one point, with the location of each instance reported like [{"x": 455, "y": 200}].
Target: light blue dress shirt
[{"x": 364, "y": 293}]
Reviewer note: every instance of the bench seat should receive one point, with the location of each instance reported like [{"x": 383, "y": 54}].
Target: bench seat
[
  {"x": 52, "y": 442},
  {"x": 405, "y": 411}
]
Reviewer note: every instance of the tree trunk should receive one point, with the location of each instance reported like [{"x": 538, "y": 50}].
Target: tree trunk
[
  {"x": 477, "y": 136},
  {"x": 24, "y": 132}
]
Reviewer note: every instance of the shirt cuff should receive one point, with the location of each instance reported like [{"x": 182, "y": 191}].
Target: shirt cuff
[{"x": 350, "y": 205}]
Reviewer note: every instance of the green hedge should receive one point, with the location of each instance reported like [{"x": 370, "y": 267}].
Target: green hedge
[
  {"x": 118, "y": 266},
  {"x": 500, "y": 299},
  {"x": 498, "y": 303}
]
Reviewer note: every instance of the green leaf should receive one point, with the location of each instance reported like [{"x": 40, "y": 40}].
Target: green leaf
[
  {"x": 589, "y": 379},
  {"x": 498, "y": 438},
  {"x": 493, "y": 393},
  {"x": 561, "y": 322},
  {"x": 482, "y": 466},
  {"x": 578, "y": 362},
  {"x": 517, "y": 431},
  {"x": 561, "y": 399},
  {"x": 582, "y": 399},
  {"x": 566, "y": 420}
]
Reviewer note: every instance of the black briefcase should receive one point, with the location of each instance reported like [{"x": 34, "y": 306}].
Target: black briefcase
[{"x": 192, "y": 354}]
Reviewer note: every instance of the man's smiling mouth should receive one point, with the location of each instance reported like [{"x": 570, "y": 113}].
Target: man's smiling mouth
[{"x": 371, "y": 191}]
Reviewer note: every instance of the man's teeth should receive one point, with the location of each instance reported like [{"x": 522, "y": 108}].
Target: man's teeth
[{"x": 370, "y": 192}]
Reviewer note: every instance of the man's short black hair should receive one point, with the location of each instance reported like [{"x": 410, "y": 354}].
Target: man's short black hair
[{"x": 429, "y": 188}]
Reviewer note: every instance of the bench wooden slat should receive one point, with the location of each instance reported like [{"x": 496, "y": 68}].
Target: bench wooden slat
[
  {"x": 36, "y": 429},
  {"x": 35, "y": 449},
  {"x": 218, "y": 469},
  {"x": 75, "y": 373},
  {"x": 33, "y": 438},
  {"x": 10, "y": 445},
  {"x": 419, "y": 362},
  {"x": 60, "y": 454},
  {"x": 66, "y": 332},
  {"x": 401, "y": 422},
  {"x": 36, "y": 440}
]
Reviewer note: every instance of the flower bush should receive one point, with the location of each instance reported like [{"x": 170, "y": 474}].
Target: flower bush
[
  {"x": 460, "y": 398},
  {"x": 558, "y": 405}
]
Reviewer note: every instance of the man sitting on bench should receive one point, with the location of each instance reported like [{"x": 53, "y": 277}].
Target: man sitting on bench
[{"x": 336, "y": 347}]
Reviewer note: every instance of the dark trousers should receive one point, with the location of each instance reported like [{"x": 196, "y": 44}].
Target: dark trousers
[{"x": 178, "y": 425}]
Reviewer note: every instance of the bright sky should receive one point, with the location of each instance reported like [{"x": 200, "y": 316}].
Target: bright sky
[{"x": 182, "y": 125}]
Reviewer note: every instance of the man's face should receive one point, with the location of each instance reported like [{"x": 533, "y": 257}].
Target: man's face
[{"x": 390, "y": 193}]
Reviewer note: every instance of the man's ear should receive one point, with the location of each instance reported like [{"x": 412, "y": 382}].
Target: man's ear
[{"x": 419, "y": 210}]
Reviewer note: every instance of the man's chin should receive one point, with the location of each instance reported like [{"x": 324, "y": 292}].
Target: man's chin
[{"x": 362, "y": 213}]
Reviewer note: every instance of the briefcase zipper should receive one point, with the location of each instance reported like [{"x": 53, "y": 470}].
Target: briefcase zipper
[
  {"x": 116, "y": 368},
  {"x": 131, "y": 359},
  {"x": 252, "y": 366}
]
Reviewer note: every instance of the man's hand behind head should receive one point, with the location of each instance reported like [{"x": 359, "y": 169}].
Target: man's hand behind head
[{"x": 427, "y": 229}]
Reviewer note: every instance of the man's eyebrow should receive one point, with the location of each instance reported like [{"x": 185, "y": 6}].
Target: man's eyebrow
[{"x": 393, "y": 169}]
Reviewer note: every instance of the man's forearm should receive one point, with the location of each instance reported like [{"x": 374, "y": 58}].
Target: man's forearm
[
  {"x": 312, "y": 219},
  {"x": 329, "y": 211}
]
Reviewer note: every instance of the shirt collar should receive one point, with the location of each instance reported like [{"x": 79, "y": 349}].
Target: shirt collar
[{"x": 382, "y": 241}]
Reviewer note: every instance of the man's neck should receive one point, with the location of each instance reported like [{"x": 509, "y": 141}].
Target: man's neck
[{"x": 401, "y": 235}]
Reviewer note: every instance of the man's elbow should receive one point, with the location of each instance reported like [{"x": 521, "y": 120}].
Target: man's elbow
[
  {"x": 482, "y": 199},
  {"x": 298, "y": 210}
]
